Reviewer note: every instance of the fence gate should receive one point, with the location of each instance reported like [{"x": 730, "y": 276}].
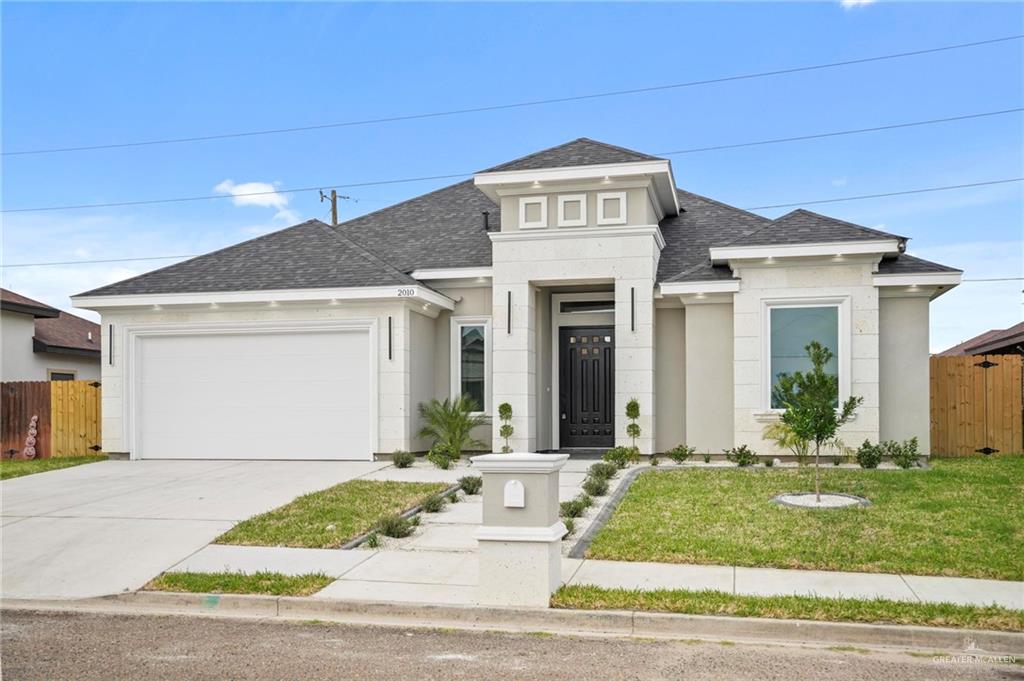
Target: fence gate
[
  {"x": 68, "y": 414},
  {"x": 976, "y": 405}
]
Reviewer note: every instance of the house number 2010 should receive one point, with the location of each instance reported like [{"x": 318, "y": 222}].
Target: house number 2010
[{"x": 406, "y": 292}]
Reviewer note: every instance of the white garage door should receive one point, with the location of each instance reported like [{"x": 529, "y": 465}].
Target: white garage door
[{"x": 246, "y": 395}]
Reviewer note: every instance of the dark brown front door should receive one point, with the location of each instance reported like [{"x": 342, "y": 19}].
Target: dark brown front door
[{"x": 586, "y": 386}]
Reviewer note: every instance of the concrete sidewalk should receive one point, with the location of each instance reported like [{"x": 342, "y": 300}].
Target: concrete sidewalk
[{"x": 451, "y": 577}]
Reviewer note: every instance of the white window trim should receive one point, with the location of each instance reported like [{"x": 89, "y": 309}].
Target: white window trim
[
  {"x": 601, "y": 219},
  {"x": 456, "y": 359},
  {"x": 844, "y": 361},
  {"x": 565, "y": 198},
  {"x": 524, "y": 201}
]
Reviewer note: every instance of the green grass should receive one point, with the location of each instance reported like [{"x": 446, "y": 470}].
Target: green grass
[
  {"x": 16, "y": 468},
  {"x": 877, "y": 611},
  {"x": 265, "y": 583},
  {"x": 329, "y": 518},
  {"x": 964, "y": 517}
]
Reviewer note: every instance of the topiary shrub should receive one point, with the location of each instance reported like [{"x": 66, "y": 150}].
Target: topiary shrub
[
  {"x": 402, "y": 458},
  {"x": 394, "y": 526},
  {"x": 506, "y": 430},
  {"x": 596, "y": 487},
  {"x": 471, "y": 484},
  {"x": 604, "y": 470},
  {"x": 633, "y": 413},
  {"x": 904, "y": 454},
  {"x": 622, "y": 456},
  {"x": 433, "y": 504},
  {"x": 742, "y": 456},
  {"x": 680, "y": 453}
]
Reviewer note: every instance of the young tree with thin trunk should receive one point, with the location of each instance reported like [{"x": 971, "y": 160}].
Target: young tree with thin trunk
[{"x": 810, "y": 400}]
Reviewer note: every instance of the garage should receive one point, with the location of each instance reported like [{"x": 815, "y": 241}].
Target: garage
[{"x": 254, "y": 394}]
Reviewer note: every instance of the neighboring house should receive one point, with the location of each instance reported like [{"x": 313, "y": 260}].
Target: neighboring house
[
  {"x": 565, "y": 283},
  {"x": 994, "y": 342},
  {"x": 41, "y": 343}
]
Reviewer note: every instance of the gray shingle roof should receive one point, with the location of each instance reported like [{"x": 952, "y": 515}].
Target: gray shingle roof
[
  {"x": 803, "y": 226},
  {"x": 308, "y": 255},
  {"x": 579, "y": 152},
  {"x": 444, "y": 229}
]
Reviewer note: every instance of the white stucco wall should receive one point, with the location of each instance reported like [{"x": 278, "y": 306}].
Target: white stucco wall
[
  {"x": 709, "y": 376},
  {"x": 421, "y": 372},
  {"x": 19, "y": 363},
  {"x": 394, "y": 410},
  {"x": 904, "y": 408},
  {"x": 805, "y": 282},
  {"x": 628, "y": 260},
  {"x": 670, "y": 377}
]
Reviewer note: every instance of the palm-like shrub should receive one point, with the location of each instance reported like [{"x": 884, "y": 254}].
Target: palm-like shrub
[{"x": 449, "y": 424}]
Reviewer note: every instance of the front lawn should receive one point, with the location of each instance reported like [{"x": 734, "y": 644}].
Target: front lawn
[
  {"x": 332, "y": 517},
  {"x": 11, "y": 468},
  {"x": 877, "y": 611},
  {"x": 964, "y": 517},
  {"x": 264, "y": 583}
]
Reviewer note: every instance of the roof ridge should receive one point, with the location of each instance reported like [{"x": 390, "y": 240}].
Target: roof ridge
[
  {"x": 841, "y": 221},
  {"x": 363, "y": 251},
  {"x": 410, "y": 200},
  {"x": 588, "y": 140}
]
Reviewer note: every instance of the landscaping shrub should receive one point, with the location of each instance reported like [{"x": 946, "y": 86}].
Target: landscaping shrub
[
  {"x": 622, "y": 456},
  {"x": 904, "y": 454},
  {"x": 450, "y": 424},
  {"x": 869, "y": 455},
  {"x": 633, "y": 413},
  {"x": 402, "y": 458},
  {"x": 586, "y": 500},
  {"x": 603, "y": 470},
  {"x": 784, "y": 438},
  {"x": 596, "y": 487},
  {"x": 373, "y": 540},
  {"x": 680, "y": 453},
  {"x": 394, "y": 526},
  {"x": 433, "y": 504},
  {"x": 471, "y": 484},
  {"x": 505, "y": 414},
  {"x": 570, "y": 526},
  {"x": 707, "y": 457},
  {"x": 573, "y": 508},
  {"x": 453, "y": 497},
  {"x": 742, "y": 456},
  {"x": 769, "y": 462},
  {"x": 440, "y": 457}
]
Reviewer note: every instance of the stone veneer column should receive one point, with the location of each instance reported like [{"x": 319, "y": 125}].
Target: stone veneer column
[
  {"x": 634, "y": 358},
  {"x": 514, "y": 363}
]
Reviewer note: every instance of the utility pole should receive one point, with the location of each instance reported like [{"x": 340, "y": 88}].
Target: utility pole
[{"x": 334, "y": 204}]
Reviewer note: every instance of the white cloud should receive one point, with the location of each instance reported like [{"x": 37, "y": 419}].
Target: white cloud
[
  {"x": 839, "y": 182},
  {"x": 259, "y": 194},
  {"x": 850, "y": 4}
]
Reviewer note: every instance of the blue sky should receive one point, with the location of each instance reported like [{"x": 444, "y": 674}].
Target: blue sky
[{"x": 78, "y": 74}]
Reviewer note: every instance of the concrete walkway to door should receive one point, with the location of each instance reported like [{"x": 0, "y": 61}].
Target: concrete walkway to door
[{"x": 109, "y": 527}]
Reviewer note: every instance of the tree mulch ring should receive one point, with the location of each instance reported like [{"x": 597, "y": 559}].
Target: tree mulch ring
[{"x": 828, "y": 500}]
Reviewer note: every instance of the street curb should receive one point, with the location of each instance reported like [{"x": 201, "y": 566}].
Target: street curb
[{"x": 599, "y": 623}]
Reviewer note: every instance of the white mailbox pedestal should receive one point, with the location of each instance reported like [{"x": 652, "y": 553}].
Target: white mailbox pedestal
[{"x": 521, "y": 536}]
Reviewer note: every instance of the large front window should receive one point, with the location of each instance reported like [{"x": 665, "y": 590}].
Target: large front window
[
  {"x": 791, "y": 330},
  {"x": 470, "y": 360}
]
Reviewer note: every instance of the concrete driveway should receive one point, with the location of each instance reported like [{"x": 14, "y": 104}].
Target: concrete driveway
[{"x": 109, "y": 527}]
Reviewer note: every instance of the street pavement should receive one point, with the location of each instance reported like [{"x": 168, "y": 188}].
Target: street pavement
[{"x": 82, "y": 647}]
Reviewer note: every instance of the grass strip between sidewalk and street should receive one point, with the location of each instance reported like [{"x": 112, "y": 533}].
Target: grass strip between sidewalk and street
[
  {"x": 329, "y": 518},
  {"x": 262, "y": 583},
  {"x": 872, "y": 611},
  {"x": 961, "y": 518},
  {"x": 15, "y": 468}
]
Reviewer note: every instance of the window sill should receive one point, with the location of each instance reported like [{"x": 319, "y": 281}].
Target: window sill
[{"x": 774, "y": 415}]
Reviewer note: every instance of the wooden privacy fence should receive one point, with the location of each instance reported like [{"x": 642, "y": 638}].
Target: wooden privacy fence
[
  {"x": 976, "y": 405},
  {"x": 68, "y": 423}
]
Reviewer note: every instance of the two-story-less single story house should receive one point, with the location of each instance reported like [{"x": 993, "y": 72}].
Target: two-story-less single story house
[
  {"x": 565, "y": 283},
  {"x": 42, "y": 343}
]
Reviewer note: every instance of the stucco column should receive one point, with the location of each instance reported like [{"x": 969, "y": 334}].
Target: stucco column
[
  {"x": 520, "y": 539},
  {"x": 634, "y": 358},
  {"x": 514, "y": 363}
]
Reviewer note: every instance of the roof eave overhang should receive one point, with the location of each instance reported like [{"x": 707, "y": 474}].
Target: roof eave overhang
[
  {"x": 924, "y": 284},
  {"x": 34, "y": 310},
  {"x": 660, "y": 172},
  {"x": 410, "y": 292},
  {"x": 986, "y": 348},
  {"x": 881, "y": 247},
  {"x": 677, "y": 288},
  {"x": 43, "y": 346}
]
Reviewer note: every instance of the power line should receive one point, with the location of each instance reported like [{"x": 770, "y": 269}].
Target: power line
[
  {"x": 799, "y": 138},
  {"x": 90, "y": 262},
  {"x": 211, "y": 197},
  {"x": 994, "y": 279},
  {"x": 877, "y": 196},
  {"x": 513, "y": 105}
]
